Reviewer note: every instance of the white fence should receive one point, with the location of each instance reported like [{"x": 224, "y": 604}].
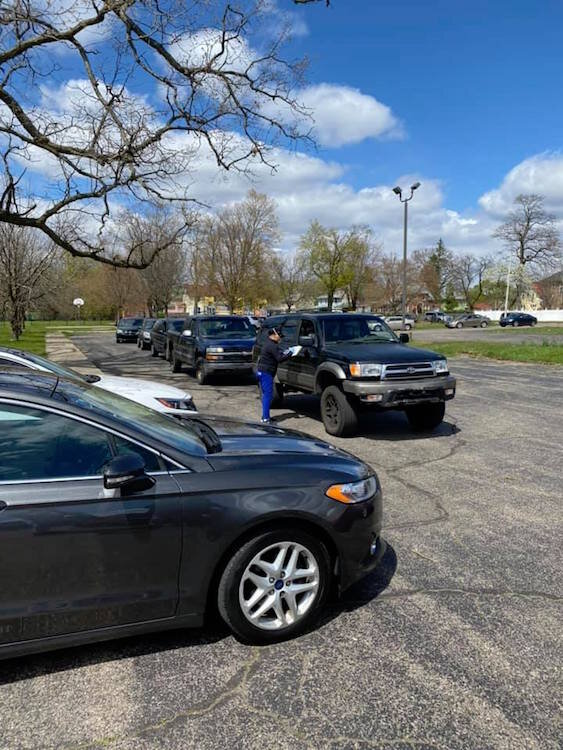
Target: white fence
[{"x": 543, "y": 316}]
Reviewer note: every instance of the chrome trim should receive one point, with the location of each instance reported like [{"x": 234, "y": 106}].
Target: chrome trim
[
  {"x": 84, "y": 479},
  {"x": 408, "y": 370}
]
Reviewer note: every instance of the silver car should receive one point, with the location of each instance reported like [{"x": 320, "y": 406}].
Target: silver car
[
  {"x": 395, "y": 322},
  {"x": 469, "y": 320}
]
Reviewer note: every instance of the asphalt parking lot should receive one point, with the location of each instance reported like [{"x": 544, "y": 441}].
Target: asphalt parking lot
[{"x": 455, "y": 643}]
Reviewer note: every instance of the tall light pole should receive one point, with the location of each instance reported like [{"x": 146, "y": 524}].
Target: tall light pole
[{"x": 399, "y": 192}]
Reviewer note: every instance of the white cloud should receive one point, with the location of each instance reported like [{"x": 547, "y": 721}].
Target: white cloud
[{"x": 542, "y": 174}]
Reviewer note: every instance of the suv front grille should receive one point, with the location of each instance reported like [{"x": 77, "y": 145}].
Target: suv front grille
[{"x": 408, "y": 371}]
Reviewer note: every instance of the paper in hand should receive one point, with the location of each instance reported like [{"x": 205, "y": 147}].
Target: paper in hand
[{"x": 295, "y": 350}]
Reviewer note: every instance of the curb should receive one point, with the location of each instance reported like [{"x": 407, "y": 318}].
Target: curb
[{"x": 60, "y": 349}]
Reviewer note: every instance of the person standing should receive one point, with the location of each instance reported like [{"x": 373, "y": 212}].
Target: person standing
[{"x": 270, "y": 357}]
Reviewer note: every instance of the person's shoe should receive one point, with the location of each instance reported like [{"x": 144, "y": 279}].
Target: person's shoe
[{"x": 266, "y": 421}]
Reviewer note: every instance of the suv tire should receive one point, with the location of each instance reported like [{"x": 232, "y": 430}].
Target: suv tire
[
  {"x": 232, "y": 586},
  {"x": 426, "y": 416},
  {"x": 277, "y": 396},
  {"x": 154, "y": 352},
  {"x": 176, "y": 364},
  {"x": 338, "y": 415}
]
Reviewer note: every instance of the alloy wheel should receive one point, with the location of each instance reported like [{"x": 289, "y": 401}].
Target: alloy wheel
[
  {"x": 279, "y": 586},
  {"x": 332, "y": 410}
]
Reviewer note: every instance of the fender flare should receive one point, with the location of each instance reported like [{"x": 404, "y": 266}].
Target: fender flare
[{"x": 333, "y": 369}]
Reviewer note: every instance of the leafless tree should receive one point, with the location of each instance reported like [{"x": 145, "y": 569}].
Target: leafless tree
[
  {"x": 25, "y": 260},
  {"x": 530, "y": 233},
  {"x": 236, "y": 245},
  {"x": 291, "y": 283},
  {"x": 208, "y": 75},
  {"x": 467, "y": 274}
]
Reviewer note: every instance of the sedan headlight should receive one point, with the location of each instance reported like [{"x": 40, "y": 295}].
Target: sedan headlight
[
  {"x": 177, "y": 403},
  {"x": 440, "y": 366},
  {"x": 120, "y": 330},
  {"x": 214, "y": 349},
  {"x": 365, "y": 370},
  {"x": 354, "y": 492}
]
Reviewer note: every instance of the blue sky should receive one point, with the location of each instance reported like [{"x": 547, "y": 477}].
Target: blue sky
[
  {"x": 463, "y": 96},
  {"x": 476, "y": 84}
]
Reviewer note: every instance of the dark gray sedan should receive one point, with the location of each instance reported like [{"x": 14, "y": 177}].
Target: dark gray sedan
[{"x": 116, "y": 520}]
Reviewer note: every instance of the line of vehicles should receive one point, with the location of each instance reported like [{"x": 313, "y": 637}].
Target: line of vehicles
[{"x": 354, "y": 363}]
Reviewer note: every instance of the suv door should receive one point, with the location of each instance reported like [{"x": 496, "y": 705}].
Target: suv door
[
  {"x": 287, "y": 370},
  {"x": 73, "y": 558},
  {"x": 307, "y": 360}
]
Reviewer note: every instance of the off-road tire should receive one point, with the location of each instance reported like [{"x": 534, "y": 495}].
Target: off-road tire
[
  {"x": 338, "y": 414},
  {"x": 176, "y": 364},
  {"x": 154, "y": 352},
  {"x": 201, "y": 374},
  {"x": 277, "y": 396}
]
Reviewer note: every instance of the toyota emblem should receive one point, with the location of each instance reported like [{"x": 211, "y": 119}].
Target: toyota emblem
[{"x": 411, "y": 370}]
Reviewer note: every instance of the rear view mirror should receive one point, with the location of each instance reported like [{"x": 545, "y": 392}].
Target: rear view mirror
[
  {"x": 404, "y": 338},
  {"x": 187, "y": 332},
  {"x": 127, "y": 473}
]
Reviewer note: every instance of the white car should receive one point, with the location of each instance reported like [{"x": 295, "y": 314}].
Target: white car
[
  {"x": 395, "y": 322},
  {"x": 157, "y": 396}
]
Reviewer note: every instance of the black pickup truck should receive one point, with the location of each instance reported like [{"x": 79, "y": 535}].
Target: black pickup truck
[
  {"x": 356, "y": 362},
  {"x": 211, "y": 344}
]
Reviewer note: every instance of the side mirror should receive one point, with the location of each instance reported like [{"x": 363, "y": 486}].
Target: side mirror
[
  {"x": 187, "y": 332},
  {"x": 127, "y": 473},
  {"x": 404, "y": 338},
  {"x": 308, "y": 340}
]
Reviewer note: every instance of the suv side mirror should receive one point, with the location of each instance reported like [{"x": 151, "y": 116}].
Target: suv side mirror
[
  {"x": 310, "y": 340},
  {"x": 404, "y": 338},
  {"x": 187, "y": 332},
  {"x": 127, "y": 473}
]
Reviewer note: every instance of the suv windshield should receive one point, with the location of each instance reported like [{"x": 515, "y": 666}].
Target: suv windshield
[
  {"x": 148, "y": 324},
  {"x": 224, "y": 328},
  {"x": 130, "y": 323},
  {"x": 176, "y": 324},
  {"x": 357, "y": 329}
]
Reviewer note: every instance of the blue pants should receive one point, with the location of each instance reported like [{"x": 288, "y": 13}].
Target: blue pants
[{"x": 267, "y": 390}]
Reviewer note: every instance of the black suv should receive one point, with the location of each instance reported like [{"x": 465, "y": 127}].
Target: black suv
[
  {"x": 127, "y": 329},
  {"x": 211, "y": 344},
  {"x": 516, "y": 319},
  {"x": 159, "y": 335},
  {"x": 355, "y": 362}
]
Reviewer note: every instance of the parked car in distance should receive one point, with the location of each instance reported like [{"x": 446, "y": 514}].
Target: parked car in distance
[
  {"x": 395, "y": 322},
  {"x": 435, "y": 316},
  {"x": 468, "y": 320},
  {"x": 211, "y": 344},
  {"x": 159, "y": 335},
  {"x": 145, "y": 524},
  {"x": 516, "y": 319},
  {"x": 356, "y": 364},
  {"x": 157, "y": 396},
  {"x": 144, "y": 335},
  {"x": 127, "y": 329}
]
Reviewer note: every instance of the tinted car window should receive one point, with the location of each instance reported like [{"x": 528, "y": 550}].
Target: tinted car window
[
  {"x": 355, "y": 328},
  {"x": 130, "y": 323},
  {"x": 307, "y": 328},
  {"x": 148, "y": 324},
  {"x": 289, "y": 331},
  {"x": 176, "y": 325},
  {"x": 124, "y": 447},
  {"x": 37, "y": 445}
]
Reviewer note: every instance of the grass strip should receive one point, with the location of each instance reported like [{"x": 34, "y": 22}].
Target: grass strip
[
  {"x": 544, "y": 353},
  {"x": 33, "y": 338}
]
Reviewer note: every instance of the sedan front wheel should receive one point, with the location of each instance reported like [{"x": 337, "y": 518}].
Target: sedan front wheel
[{"x": 274, "y": 585}]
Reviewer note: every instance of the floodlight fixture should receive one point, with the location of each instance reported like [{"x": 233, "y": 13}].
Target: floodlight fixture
[{"x": 397, "y": 190}]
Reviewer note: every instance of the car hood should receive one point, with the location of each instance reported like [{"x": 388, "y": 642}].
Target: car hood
[
  {"x": 133, "y": 387},
  {"x": 383, "y": 353},
  {"x": 250, "y": 445}
]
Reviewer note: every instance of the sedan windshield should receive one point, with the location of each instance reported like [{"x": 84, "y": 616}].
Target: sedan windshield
[
  {"x": 224, "y": 328},
  {"x": 46, "y": 364},
  {"x": 357, "y": 329},
  {"x": 130, "y": 323},
  {"x": 123, "y": 411}
]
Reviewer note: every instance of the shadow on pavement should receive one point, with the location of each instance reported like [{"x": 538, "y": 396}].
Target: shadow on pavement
[{"x": 377, "y": 425}]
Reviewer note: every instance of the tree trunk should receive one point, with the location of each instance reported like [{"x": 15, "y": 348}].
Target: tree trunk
[{"x": 330, "y": 300}]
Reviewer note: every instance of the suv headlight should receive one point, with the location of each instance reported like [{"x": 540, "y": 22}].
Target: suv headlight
[
  {"x": 354, "y": 492},
  {"x": 440, "y": 366},
  {"x": 214, "y": 349},
  {"x": 365, "y": 370}
]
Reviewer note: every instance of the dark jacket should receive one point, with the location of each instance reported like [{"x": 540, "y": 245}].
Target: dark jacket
[{"x": 270, "y": 357}]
